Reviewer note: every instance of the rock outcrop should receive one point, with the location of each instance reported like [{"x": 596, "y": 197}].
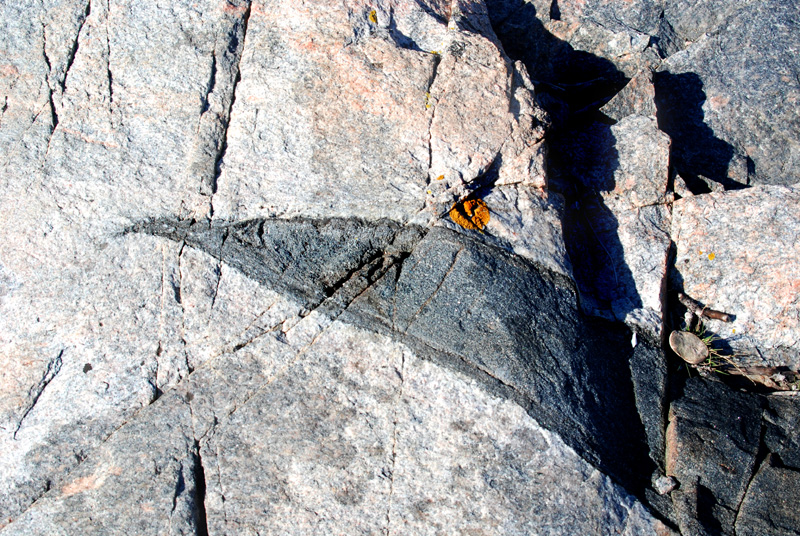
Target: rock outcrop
[{"x": 233, "y": 299}]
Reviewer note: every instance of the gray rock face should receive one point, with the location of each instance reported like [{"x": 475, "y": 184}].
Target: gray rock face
[
  {"x": 618, "y": 226},
  {"x": 711, "y": 451},
  {"x": 728, "y": 117},
  {"x": 767, "y": 508},
  {"x": 725, "y": 88}
]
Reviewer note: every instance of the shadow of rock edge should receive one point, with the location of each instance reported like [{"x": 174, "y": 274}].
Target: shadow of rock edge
[
  {"x": 512, "y": 325},
  {"x": 562, "y": 74},
  {"x": 698, "y": 156}
]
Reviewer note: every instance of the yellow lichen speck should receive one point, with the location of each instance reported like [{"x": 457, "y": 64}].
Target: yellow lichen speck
[
  {"x": 373, "y": 17},
  {"x": 711, "y": 256},
  {"x": 472, "y": 214},
  {"x": 427, "y": 101}
]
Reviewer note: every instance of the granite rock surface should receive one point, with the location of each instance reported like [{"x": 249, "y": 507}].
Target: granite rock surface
[
  {"x": 737, "y": 252},
  {"x": 232, "y": 299}
]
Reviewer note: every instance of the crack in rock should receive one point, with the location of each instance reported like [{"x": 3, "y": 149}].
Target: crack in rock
[{"x": 53, "y": 368}]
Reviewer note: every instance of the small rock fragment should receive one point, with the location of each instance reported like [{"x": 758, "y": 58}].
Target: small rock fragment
[
  {"x": 664, "y": 484},
  {"x": 688, "y": 346}
]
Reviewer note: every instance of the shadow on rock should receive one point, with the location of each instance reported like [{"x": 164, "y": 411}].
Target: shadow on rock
[
  {"x": 572, "y": 85},
  {"x": 698, "y": 156},
  {"x": 568, "y": 81}
]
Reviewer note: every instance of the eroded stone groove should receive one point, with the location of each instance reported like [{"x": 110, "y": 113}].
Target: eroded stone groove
[{"x": 235, "y": 48}]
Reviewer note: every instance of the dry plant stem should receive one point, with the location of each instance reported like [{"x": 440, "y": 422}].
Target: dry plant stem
[{"x": 696, "y": 308}]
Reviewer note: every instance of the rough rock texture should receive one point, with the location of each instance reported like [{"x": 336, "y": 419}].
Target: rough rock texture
[
  {"x": 730, "y": 118},
  {"x": 725, "y": 86},
  {"x": 140, "y": 364},
  {"x": 737, "y": 252},
  {"x": 768, "y": 507},
  {"x": 430, "y": 79},
  {"x": 232, "y": 299},
  {"x": 636, "y": 98},
  {"x": 712, "y": 442}
]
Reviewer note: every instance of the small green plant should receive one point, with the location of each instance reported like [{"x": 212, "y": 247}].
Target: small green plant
[{"x": 717, "y": 361}]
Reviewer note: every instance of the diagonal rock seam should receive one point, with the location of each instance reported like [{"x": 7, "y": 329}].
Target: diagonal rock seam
[
  {"x": 53, "y": 368},
  {"x": 761, "y": 457},
  {"x": 109, "y": 76},
  {"x": 437, "y": 59},
  {"x": 57, "y": 79}
]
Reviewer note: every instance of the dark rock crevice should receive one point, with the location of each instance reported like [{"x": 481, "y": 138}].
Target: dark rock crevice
[
  {"x": 109, "y": 75},
  {"x": 234, "y": 50},
  {"x": 201, "y": 516},
  {"x": 73, "y": 51}
]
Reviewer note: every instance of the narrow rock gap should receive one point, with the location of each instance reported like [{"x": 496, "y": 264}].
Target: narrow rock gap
[
  {"x": 393, "y": 461},
  {"x": 437, "y": 59},
  {"x": 761, "y": 456},
  {"x": 212, "y": 82},
  {"x": 218, "y": 269},
  {"x": 226, "y": 120},
  {"x": 109, "y": 76},
  {"x": 73, "y": 51},
  {"x": 200, "y": 491},
  {"x": 53, "y": 112}
]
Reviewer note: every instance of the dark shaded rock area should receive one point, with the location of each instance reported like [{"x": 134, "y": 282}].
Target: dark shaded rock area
[
  {"x": 770, "y": 506},
  {"x": 514, "y": 325},
  {"x": 712, "y": 74}
]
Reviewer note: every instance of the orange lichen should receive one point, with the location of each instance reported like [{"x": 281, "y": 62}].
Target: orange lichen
[
  {"x": 373, "y": 17},
  {"x": 440, "y": 178},
  {"x": 472, "y": 214}
]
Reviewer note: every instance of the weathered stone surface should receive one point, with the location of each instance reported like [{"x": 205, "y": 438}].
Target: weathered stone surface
[
  {"x": 728, "y": 101},
  {"x": 624, "y": 179},
  {"x": 330, "y": 429},
  {"x": 444, "y": 94},
  {"x": 712, "y": 441},
  {"x": 770, "y": 506},
  {"x": 649, "y": 374},
  {"x": 737, "y": 253},
  {"x": 781, "y": 435},
  {"x": 450, "y": 294},
  {"x": 231, "y": 299},
  {"x": 690, "y": 19}
]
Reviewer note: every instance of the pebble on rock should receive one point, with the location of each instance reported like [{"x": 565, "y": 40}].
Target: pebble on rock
[{"x": 688, "y": 346}]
